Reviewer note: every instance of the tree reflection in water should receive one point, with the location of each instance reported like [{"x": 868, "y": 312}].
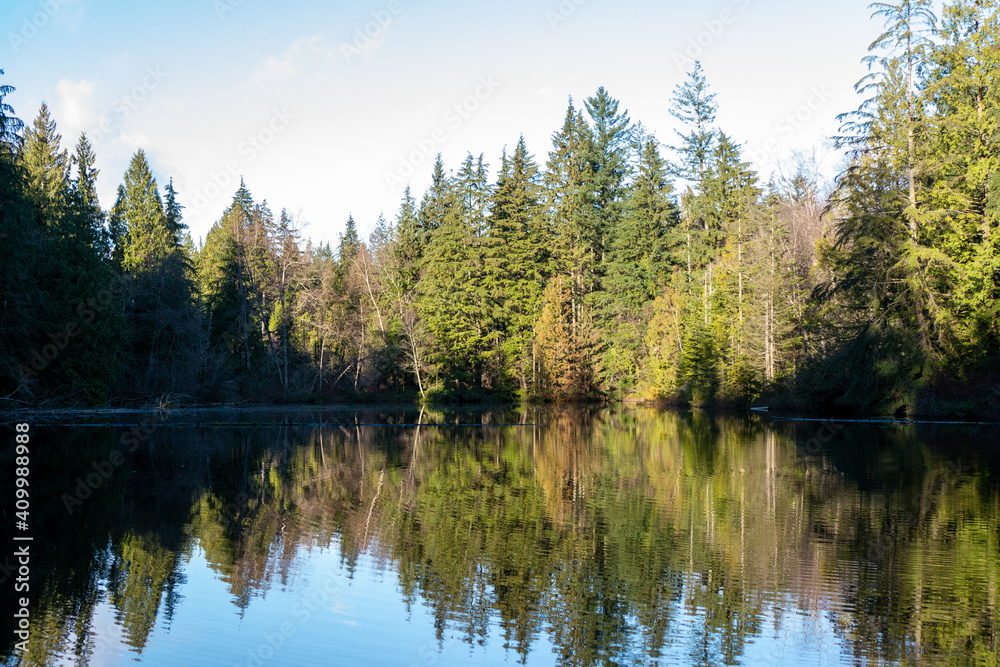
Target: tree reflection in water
[{"x": 619, "y": 536}]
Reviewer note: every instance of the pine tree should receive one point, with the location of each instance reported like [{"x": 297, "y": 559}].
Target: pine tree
[
  {"x": 117, "y": 230},
  {"x": 888, "y": 274},
  {"x": 638, "y": 267},
  {"x": 639, "y": 261},
  {"x": 450, "y": 301},
  {"x": 436, "y": 201},
  {"x": 47, "y": 168},
  {"x": 20, "y": 247},
  {"x": 402, "y": 274},
  {"x": 158, "y": 291},
  {"x": 695, "y": 107},
  {"x": 409, "y": 243},
  {"x": 473, "y": 192},
  {"x": 172, "y": 209},
  {"x": 562, "y": 346},
  {"x": 148, "y": 241},
  {"x": 85, "y": 182},
  {"x": 514, "y": 259},
  {"x": 349, "y": 243},
  {"x": 567, "y": 173},
  {"x": 906, "y": 24},
  {"x": 71, "y": 271},
  {"x": 962, "y": 86},
  {"x": 288, "y": 263},
  {"x": 608, "y": 155}
]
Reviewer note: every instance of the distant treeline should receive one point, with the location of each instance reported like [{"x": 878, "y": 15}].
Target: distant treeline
[{"x": 611, "y": 272}]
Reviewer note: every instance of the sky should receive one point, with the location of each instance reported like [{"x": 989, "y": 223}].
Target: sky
[{"x": 329, "y": 109}]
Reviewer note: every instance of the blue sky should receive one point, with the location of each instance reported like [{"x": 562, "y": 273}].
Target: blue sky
[{"x": 328, "y": 108}]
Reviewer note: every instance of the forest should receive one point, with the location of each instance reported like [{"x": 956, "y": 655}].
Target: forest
[{"x": 619, "y": 266}]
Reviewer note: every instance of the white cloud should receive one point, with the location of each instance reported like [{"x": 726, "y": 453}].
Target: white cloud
[
  {"x": 74, "y": 111},
  {"x": 307, "y": 53}
]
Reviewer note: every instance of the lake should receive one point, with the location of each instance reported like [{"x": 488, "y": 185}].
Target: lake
[{"x": 619, "y": 536}]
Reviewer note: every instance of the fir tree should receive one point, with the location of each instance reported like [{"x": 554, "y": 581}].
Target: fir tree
[
  {"x": 639, "y": 262},
  {"x": 449, "y": 298},
  {"x": 695, "y": 107},
  {"x": 117, "y": 229},
  {"x": 47, "y": 168},
  {"x": 158, "y": 290},
  {"x": 148, "y": 240},
  {"x": 172, "y": 209},
  {"x": 608, "y": 155},
  {"x": 436, "y": 201},
  {"x": 567, "y": 174},
  {"x": 349, "y": 243},
  {"x": 409, "y": 243},
  {"x": 514, "y": 259}
]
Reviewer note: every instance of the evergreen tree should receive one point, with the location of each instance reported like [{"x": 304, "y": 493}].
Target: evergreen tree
[
  {"x": 639, "y": 260},
  {"x": 46, "y": 166},
  {"x": 450, "y": 301},
  {"x": 148, "y": 240},
  {"x": 473, "y": 192},
  {"x": 608, "y": 155},
  {"x": 233, "y": 274},
  {"x": 562, "y": 346},
  {"x": 567, "y": 174},
  {"x": 349, "y": 243},
  {"x": 117, "y": 230},
  {"x": 695, "y": 107},
  {"x": 905, "y": 37},
  {"x": 959, "y": 149},
  {"x": 436, "y": 201},
  {"x": 409, "y": 243},
  {"x": 514, "y": 261},
  {"x": 158, "y": 291},
  {"x": 638, "y": 267},
  {"x": 71, "y": 270},
  {"x": 85, "y": 182},
  {"x": 21, "y": 246},
  {"x": 172, "y": 209}
]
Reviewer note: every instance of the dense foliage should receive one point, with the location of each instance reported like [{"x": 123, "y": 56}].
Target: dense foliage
[{"x": 611, "y": 271}]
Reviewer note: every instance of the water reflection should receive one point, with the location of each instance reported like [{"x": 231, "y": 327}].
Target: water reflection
[{"x": 606, "y": 537}]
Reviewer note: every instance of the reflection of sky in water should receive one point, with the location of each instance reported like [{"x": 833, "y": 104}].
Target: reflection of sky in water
[{"x": 323, "y": 616}]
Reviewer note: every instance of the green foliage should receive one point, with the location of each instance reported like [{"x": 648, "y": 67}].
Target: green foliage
[
  {"x": 563, "y": 340},
  {"x": 695, "y": 107},
  {"x": 452, "y": 298},
  {"x": 588, "y": 278},
  {"x": 514, "y": 261}
]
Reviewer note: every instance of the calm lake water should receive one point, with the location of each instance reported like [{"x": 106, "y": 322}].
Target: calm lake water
[{"x": 576, "y": 537}]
